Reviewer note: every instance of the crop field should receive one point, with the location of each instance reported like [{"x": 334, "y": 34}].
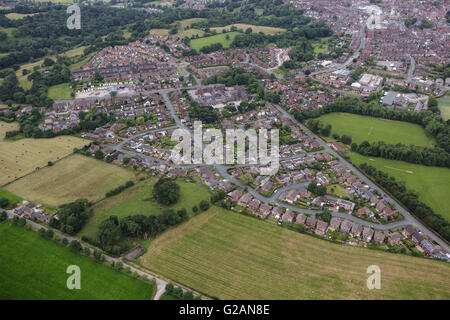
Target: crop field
[
  {"x": 431, "y": 183},
  {"x": 255, "y": 29},
  {"x": 362, "y": 128},
  {"x": 74, "y": 177},
  {"x": 138, "y": 200},
  {"x": 444, "y": 106},
  {"x": 60, "y": 92},
  {"x": 20, "y": 157},
  {"x": 35, "y": 268},
  {"x": 7, "y": 126},
  {"x": 199, "y": 43},
  {"x": 231, "y": 256}
]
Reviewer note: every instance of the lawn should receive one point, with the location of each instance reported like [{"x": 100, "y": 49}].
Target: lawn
[
  {"x": 74, "y": 177},
  {"x": 444, "y": 105},
  {"x": 255, "y": 29},
  {"x": 232, "y": 256},
  {"x": 199, "y": 43},
  {"x": 20, "y": 157},
  {"x": 60, "y": 92},
  {"x": 371, "y": 129},
  {"x": 10, "y": 196},
  {"x": 431, "y": 183},
  {"x": 35, "y": 268},
  {"x": 337, "y": 190},
  {"x": 138, "y": 200}
]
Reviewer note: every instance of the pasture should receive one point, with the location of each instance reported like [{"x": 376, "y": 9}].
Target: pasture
[
  {"x": 232, "y": 256},
  {"x": 255, "y": 29},
  {"x": 138, "y": 200},
  {"x": 362, "y": 128},
  {"x": 20, "y": 157},
  {"x": 431, "y": 183},
  {"x": 199, "y": 43},
  {"x": 35, "y": 268},
  {"x": 74, "y": 177}
]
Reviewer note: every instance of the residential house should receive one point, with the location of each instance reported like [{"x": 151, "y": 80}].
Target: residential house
[
  {"x": 379, "y": 236},
  {"x": 321, "y": 227},
  {"x": 394, "y": 239},
  {"x": 367, "y": 234}
]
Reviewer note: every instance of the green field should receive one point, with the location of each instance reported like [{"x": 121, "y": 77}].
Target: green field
[
  {"x": 371, "y": 129},
  {"x": 10, "y": 196},
  {"x": 255, "y": 29},
  {"x": 35, "y": 268},
  {"x": 74, "y": 177},
  {"x": 232, "y": 256},
  {"x": 138, "y": 200},
  {"x": 18, "y": 16},
  {"x": 444, "y": 105},
  {"x": 431, "y": 183},
  {"x": 199, "y": 43},
  {"x": 60, "y": 92}
]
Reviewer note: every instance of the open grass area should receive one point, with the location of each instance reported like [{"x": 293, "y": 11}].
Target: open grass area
[
  {"x": 444, "y": 106},
  {"x": 199, "y": 43},
  {"x": 74, "y": 177},
  {"x": 35, "y": 268},
  {"x": 20, "y": 157},
  {"x": 231, "y": 256},
  {"x": 138, "y": 200},
  {"x": 187, "y": 22},
  {"x": 320, "y": 45},
  {"x": 18, "y": 16},
  {"x": 60, "y": 91},
  {"x": 255, "y": 29},
  {"x": 161, "y": 32},
  {"x": 431, "y": 183},
  {"x": 362, "y": 128},
  {"x": 10, "y": 196}
]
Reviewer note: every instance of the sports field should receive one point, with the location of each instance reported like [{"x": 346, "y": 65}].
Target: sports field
[
  {"x": 20, "y": 157},
  {"x": 371, "y": 129},
  {"x": 255, "y": 29},
  {"x": 35, "y": 268},
  {"x": 199, "y": 43},
  {"x": 444, "y": 106},
  {"x": 74, "y": 177},
  {"x": 231, "y": 256},
  {"x": 138, "y": 200},
  {"x": 431, "y": 183}
]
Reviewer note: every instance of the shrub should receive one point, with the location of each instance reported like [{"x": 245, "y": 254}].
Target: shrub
[
  {"x": 169, "y": 288},
  {"x": 65, "y": 241},
  {"x": 204, "y": 205},
  {"x": 75, "y": 245}
]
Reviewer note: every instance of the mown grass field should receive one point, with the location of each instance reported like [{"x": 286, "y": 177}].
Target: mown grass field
[
  {"x": 255, "y": 29},
  {"x": 199, "y": 43},
  {"x": 231, "y": 256},
  {"x": 138, "y": 200},
  {"x": 60, "y": 92},
  {"x": 444, "y": 106},
  {"x": 35, "y": 268},
  {"x": 362, "y": 128},
  {"x": 20, "y": 157},
  {"x": 71, "y": 178},
  {"x": 431, "y": 183}
]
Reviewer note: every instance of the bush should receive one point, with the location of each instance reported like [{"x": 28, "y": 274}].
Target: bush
[
  {"x": 65, "y": 241},
  {"x": 188, "y": 296},
  {"x": 195, "y": 209},
  {"x": 204, "y": 205},
  {"x": 178, "y": 292},
  {"x": 118, "y": 266},
  {"x": 49, "y": 233},
  {"x": 75, "y": 245},
  {"x": 4, "y": 202},
  {"x": 169, "y": 288},
  {"x": 87, "y": 251},
  {"x": 3, "y": 216}
]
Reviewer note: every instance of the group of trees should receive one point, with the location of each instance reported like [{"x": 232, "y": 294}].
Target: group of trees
[
  {"x": 178, "y": 292},
  {"x": 410, "y": 199},
  {"x": 318, "y": 190},
  {"x": 166, "y": 191},
  {"x": 71, "y": 216},
  {"x": 119, "y": 189},
  {"x": 319, "y": 127}
]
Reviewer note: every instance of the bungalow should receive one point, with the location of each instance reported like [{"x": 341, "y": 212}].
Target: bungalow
[
  {"x": 288, "y": 216},
  {"x": 321, "y": 227},
  {"x": 291, "y": 196},
  {"x": 311, "y": 222},
  {"x": 276, "y": 212},
  {"x": 267, "y": 186},
  {"x": 394, "y": 239},
  {"x": 236, "y": 194},
  {"x": 301, "y": 218},
  {"x": 264, "y": 209},
  {"x": 356, "y": 230},
  {"x": 334, "y": 224},
  {"x": 380, "y": 206},
  {"x": 416, "y": 237},
  {"x": 367, "y": 234},
  {"x": 364, "y": 211},
  {"x": 388, "y": 212},
  {"x": 346, "y": 226},
  {"x": 379, "y": 236},
  {"x": 245, "y": 199},
  {"x": 254, "y": 205}
]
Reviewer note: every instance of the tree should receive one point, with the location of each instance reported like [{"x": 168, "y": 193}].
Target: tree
[
  {"x": 246, "y": 178},
  {"x": 187, "y": 295},
  {"x": 4, "y": 202},
  {"x": 195, "y": 209},
  {"x": 75, "y": 245},
  {"x": 169, "y": 288},
  {"x": 98, "y": 154},
  {"x": 203, "y": 205},
  {"x": 166, "y": 191},
  {"x": 346, "y": 139}
]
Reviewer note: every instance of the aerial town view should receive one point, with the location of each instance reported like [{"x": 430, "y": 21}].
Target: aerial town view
[{"x": 224, "y": 150}]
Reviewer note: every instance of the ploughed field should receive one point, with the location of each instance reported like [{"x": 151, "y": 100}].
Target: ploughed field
[{"x": 231, "y": 256}]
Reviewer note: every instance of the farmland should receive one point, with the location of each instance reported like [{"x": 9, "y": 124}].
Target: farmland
[
  {"x": 431, "y": 183},
  {"x": 362, "y": 128},
  {"x": 20, "y": 157},
  {"x": 255, "y": 29},
  {"x": 199, "y": 43},
  {"x": 231, "y": 256},
  {"x": 35, "y": 268},
  {"x": 7, "y": 126},
  {"x": 74, "y": 177},
  {"x": 138, "y": 200}
]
